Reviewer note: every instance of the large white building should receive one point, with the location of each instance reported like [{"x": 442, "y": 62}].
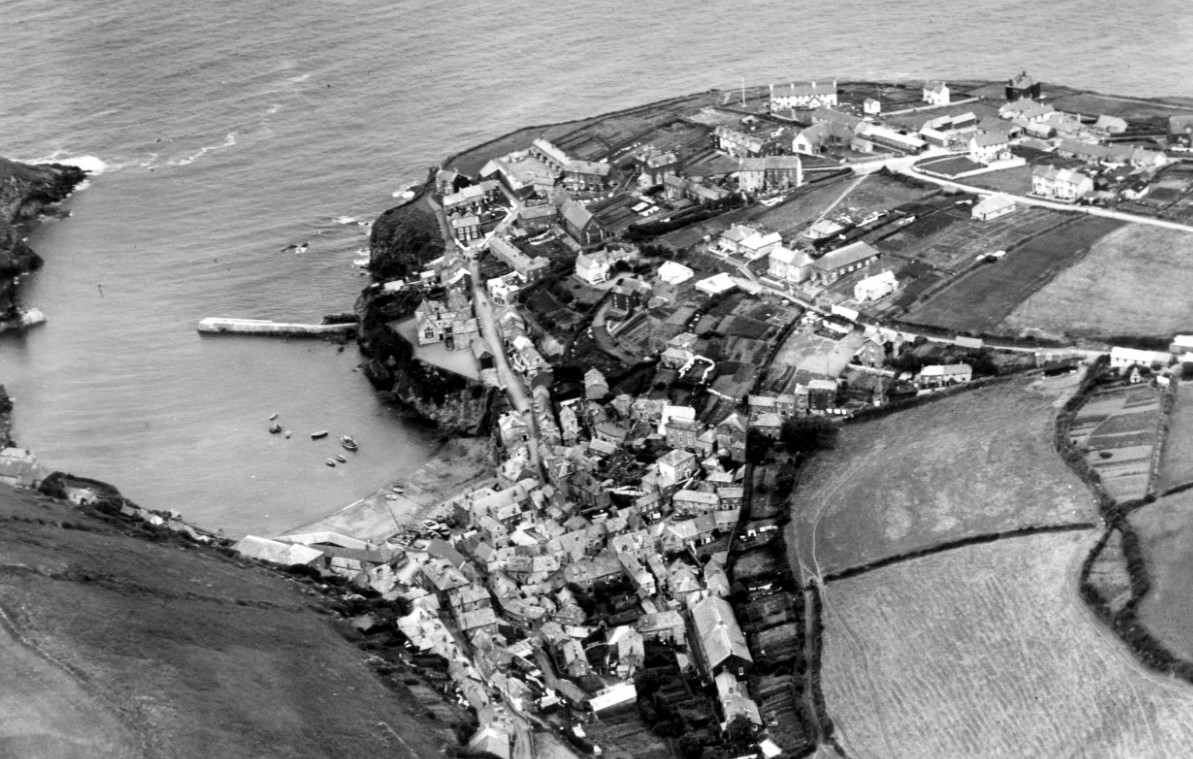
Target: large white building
[{"x": 803, "y": 95}]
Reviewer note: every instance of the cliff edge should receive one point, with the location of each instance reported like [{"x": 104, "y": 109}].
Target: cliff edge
[{"x": 25, "y": 192}]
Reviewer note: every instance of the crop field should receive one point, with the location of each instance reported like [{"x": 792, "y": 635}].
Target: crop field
[
  {"x": 1135, "y": 281},
  {"x": 1165, "y": 530},
  {"x": 951, "y": 240},
  {"x": 988, "y": 651},
  {"x": 975, "y": 463},
  {"x": 982, "y": 299},
  {"x": 1117, "y": 430},
  {"x": 1176, "y": 461}
]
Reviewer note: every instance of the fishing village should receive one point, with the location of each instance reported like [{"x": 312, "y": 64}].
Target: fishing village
[{"x": 642, "y": 330}]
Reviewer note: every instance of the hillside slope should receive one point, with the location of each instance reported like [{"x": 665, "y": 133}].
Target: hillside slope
[{"x": 117, "y": 646}]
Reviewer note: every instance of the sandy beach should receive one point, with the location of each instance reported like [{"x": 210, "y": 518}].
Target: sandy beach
[{"x": 462, "y": 464}]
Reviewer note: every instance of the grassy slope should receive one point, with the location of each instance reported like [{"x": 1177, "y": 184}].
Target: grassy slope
[
  {"x": 987, "y": 651},
  {"x": 163, "y": 650},
  {"x": 1135, "y": 281},
  {"x": 1165, "y": 531},
  {"x": 975, "y": 463}
]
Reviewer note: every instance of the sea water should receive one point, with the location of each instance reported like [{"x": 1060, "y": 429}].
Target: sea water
[{"x": 219, "y": 135}]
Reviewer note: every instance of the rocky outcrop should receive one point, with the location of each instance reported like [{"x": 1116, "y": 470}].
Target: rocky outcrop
[
  {"x": 26, "y": 192},
  {"x": 454, "y": 404}
]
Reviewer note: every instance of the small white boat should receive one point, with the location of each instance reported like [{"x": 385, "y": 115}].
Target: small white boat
[
  {"x": 329, "y": 462},
  {"x": 348, "y": 443},
  {"x": 340, "y": 458},
  {"x": 319, "y": 434}
]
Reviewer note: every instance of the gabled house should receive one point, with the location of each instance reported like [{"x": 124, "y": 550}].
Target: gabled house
[
  {"x": 718, "y": 642},
  {"x": 1060, "y": 184},
  {"x": 593, "y": 268},
  {"x": 988, "y": 147},
  {"x": 580, "y": 224},
  {"x": 992, "y": 207},
  {"x": 803, "y": 96},
  {"x": 935, "y": 93}
]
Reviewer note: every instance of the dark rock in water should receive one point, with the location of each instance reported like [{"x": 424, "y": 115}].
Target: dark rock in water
[{"x": 25, "y": 192}]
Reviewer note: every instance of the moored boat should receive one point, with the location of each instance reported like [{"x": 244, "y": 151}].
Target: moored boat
[
  {"x": 340, "y": 458},
  {"x": 348, "y": 443},
  {"x": 329, "y": 462},
  {"x": 275, "y": 428},
  {"x": 319, "y": 434}
]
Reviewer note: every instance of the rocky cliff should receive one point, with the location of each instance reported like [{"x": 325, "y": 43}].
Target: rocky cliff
[
  {"x": 403, "y": 241},
  {"x": 25, "y": 192}
]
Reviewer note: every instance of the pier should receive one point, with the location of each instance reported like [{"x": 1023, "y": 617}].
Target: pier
[{"x": 215, "y": 325}]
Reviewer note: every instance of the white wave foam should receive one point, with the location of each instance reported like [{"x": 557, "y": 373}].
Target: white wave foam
[
  {"x": 345, "y": 220},
  {"x": 228, "y": 142},
  {"x": 361, "y": 262},
  {"x": 88, "y": 163}
]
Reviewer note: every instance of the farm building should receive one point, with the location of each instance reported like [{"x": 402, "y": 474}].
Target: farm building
[
  {"x": 1060, "y": 184},
  {"x": 992, "y": 207},
  {"x": 720, "y": 643},
  {"x": 871, "y": 107},
  {"x": 875, "y": 287},
  {"x": 944, "y": 375},
  {"x": 867, "y": 135},
  {"x": 1121, "y": 358},
  {"x": 832, "y": 266},
  {"x": 935, "y": 93}
]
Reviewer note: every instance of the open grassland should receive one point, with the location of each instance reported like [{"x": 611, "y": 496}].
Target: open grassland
[
  {"x": 975, "y": 463},
  {"x": 987, "y": 651},
  {"x": 118, "y": 646},
  {"x": 981, "y": 300},
  {"x": 1117, "y": 430},
  {"x": 1135, "y": 281},
  {"x": 1165, "y": 530},
  {"x": 1176, "y": 463}
]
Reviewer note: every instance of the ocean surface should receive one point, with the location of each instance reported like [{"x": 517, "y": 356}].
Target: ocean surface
[{"x": 220, "y": 134}]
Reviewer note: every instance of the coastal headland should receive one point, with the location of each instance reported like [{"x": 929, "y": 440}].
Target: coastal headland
[{"x": 747, "y": 371}]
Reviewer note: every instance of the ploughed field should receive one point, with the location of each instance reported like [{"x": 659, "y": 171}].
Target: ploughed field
[
  {"x": 988, "y": 651},
  {"x": 974, "y": 463},
  {"x": 1134, "y": 281},
  {"x": 980, "y": 300},
  {"x": 114, "y": 645}
]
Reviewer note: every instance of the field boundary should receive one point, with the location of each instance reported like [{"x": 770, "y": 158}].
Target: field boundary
[
  {"x": 984, "y": 538},
  {"x": 1124, "y": 622}
]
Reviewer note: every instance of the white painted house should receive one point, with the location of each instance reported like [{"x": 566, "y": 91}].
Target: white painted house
[
  {"x": 936, "y": 93},
  {"x": 992, "y": 207},
  {"x": 875, "y": 287},
  {"x": 593, "y": 268}
]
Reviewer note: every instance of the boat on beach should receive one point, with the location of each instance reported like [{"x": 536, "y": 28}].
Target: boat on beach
[
  {"x": 275, "y": 428},
  {"x": 329, "y": 462},
  {"x": 340, "y": 458},
  {"x": 319, "y": 434},
  {"x": 349, "y": 443}
]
